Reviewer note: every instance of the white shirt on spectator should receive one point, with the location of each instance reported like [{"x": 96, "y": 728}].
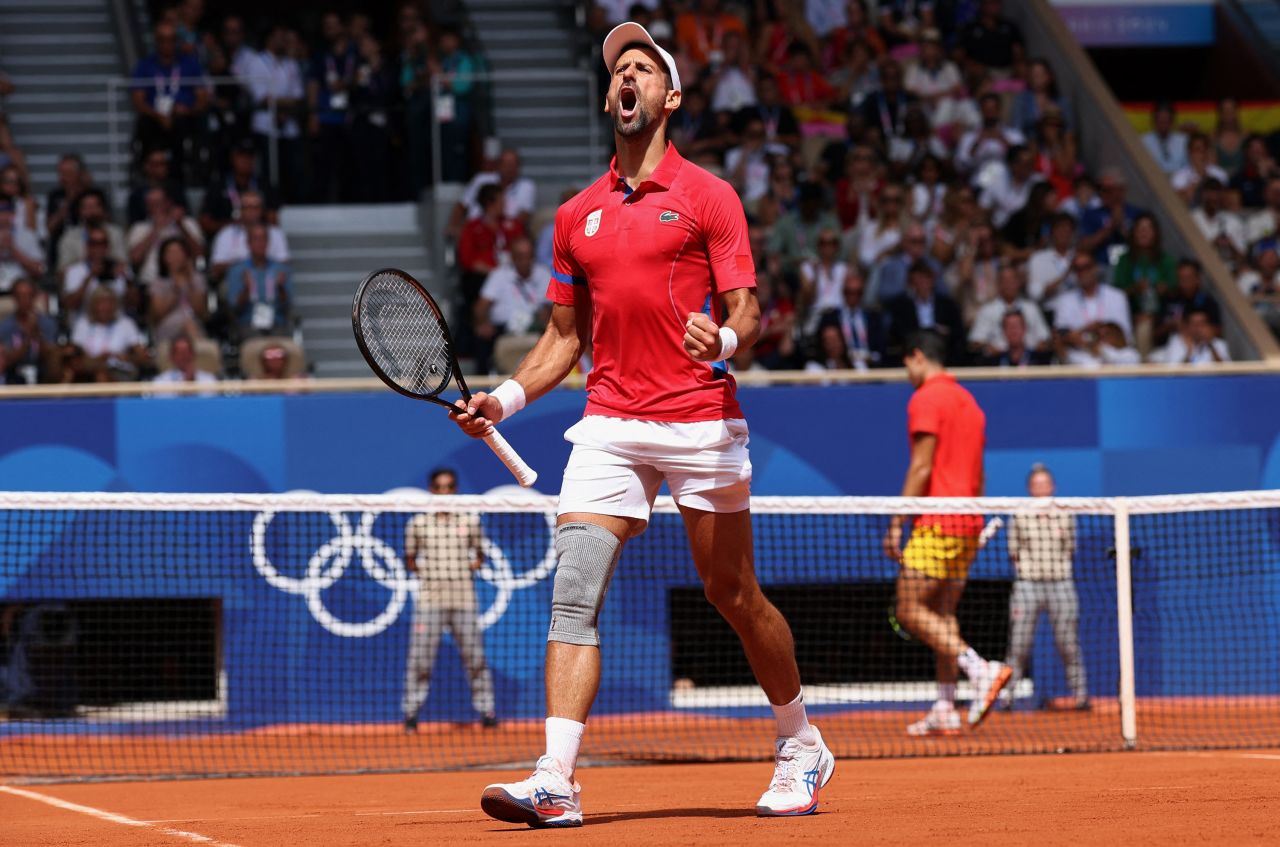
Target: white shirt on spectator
[
  {"x": 926, "y": 84},
  {"x": 988, "y": 329},
  {"x": 516, "y": 299},
  {"x": 521, "y": 196},
  {"x": 175, "y": 375},
  {"x": 1223, "y": 223},
  {"x": 973, "y": 152},
  {"x": 1106, "y": 355},
  {"x": 1177, "y": 352},
  {"x": 926, "y": 204},
  {"x": 1170, "y": 153},
  {"x": 1260, "y": 225},
  {"x": 1252, "y": 281},
  {"x": 1044, "y": 268},
  {"x": 150, "y": 265},
  {"x": 1002, "y": 196},
  {"x": 232, "y": 245},
  {"x": 268, "y": 76},
  {"x": 114, "y": 338},
  {"x": 1108, "y": 304},
  {"x": 827, "y": 283},
  {"x": 825, "y": 16},
  {"x": 1186, "y": 178},
  {"x": 618, "y": 10},
  {"x": 755, "y": 178},
  {"x": 24, "y": 242},
  {"x": 734, "y": 90},
  {"x": 75, "y": 278},
  {"x": 873, "y": 243}
]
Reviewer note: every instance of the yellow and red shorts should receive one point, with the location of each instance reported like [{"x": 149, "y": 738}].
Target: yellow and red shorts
[{"x": 935, "y": 554}]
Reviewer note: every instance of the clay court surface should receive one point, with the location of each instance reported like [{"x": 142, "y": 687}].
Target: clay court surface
[{"x": 1093, "y": 798}]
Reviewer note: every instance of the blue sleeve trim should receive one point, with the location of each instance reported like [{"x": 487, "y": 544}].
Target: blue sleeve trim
[{"x": 568, "y": 280}]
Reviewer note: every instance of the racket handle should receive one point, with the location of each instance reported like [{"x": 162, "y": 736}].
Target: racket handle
[{"x": 524, "y": 474}]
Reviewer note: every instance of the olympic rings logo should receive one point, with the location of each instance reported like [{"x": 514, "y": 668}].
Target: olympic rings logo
[{"x": 384, "y": 566}]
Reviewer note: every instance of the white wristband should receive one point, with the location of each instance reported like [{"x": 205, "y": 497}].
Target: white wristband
[
  {"x": 728, "y": 342},
  {"x": 510, "y": 395}
]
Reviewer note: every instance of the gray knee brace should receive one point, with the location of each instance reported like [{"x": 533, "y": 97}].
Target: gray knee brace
[{"x": 586, "y": 555}]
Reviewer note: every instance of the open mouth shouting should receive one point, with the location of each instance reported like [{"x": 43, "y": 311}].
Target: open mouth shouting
[{"x": 628, "y": 102}]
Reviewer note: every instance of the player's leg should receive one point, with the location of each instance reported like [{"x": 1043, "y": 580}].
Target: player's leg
[
  {"x": 1064, "y": 617},
  {"x": 1023, "y": 611},
  {"x": 721, "y": 544},
  {"x": 465, "y": 627},
  {"x": 424, "y": 643},
  {"x": 923, "y": 607},
  {"x": 605, "y": 499}
]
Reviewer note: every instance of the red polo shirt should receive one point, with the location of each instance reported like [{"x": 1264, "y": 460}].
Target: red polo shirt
[
  {"x": 643, "y": 260},
  {"x": 942, "y": 408}
]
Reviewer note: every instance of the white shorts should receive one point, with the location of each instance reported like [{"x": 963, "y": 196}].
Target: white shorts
[{"x": 617, "y": 466}]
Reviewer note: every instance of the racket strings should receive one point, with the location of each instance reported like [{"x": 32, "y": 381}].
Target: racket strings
[{"x": 404, "y": 335}]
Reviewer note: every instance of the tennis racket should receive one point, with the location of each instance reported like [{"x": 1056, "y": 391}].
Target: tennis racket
[
  {"x": 988, "y": 532},
  {"x": 402, "y": 334}
]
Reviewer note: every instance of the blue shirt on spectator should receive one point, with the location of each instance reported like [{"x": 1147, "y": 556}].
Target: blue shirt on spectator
[
  {"x": 178, "y": 79},
  {"x": 1097, "y": 218},
  {"x": 270, "y": 284},
  {"x": 328, "y": 67}
]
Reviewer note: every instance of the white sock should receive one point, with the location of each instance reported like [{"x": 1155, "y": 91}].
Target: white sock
[
  {"x": 564, "y": 737},
  {"x": 947, "y": 694},
  {"x": 793, "y": 722},
  {"x": 971, "y": 663}
]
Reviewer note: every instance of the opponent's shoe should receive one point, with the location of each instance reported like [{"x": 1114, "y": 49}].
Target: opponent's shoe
[
  {"x": 547, "y": 798},
  {"x": 986, "y": 688},
  {"x": 798, "y": 774},
  {"x": 943, "y": 719}
]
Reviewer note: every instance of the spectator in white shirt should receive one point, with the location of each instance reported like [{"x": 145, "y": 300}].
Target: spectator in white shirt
[
  {"x": 1010, "y": 186},
  {"x": 986, "y": 337},
  {"x": 512, "y": 301},
  {"x": 19, "y": 249},
  {"x": 1222, "y": 228},
  {"x": 1266, "y": 221},
  {"x": 734, "y": 87},
  {"x": 98, "y": 269},
  {"x": 990, "y": 142},
  {"x": 1196, "y": 343},
  {"x": 182, "y": 364},
  {"x": 164, "y": 220},
  {"x": 936, "y": 80},
  {"x": 519, "y": 193},
  {"x": 1166, "y": 144},
  {"x": 1049, "y": 269},
  {"x": 1104, "y": 345},
  {"x": 91, "y": 211},
  {"x": 112, "y": 343},
  {"x": 1199, "y": 167},
  {"x": 232, "y": 243},
  {"x": 274, "y": 80},
  {"x": 822, "y": 280},
  {"x": 746, "y": 166},
  {"x": 1261, "y": 283},
  {"x": 1081, "y": 313}
]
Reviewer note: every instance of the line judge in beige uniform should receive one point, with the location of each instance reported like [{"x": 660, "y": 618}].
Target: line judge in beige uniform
[
  {"x": 444, "y": 549},
  {"x": 1042, "y": 547}
]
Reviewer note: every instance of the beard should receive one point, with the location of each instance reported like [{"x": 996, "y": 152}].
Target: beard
[{"x": 636, "y": 124}]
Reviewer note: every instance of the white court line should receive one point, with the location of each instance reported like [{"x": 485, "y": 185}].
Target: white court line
[
  {"x": 1260, "y": 756},
  {"x": 112, "y": 817},
  {"x": 419, "y": 812}
]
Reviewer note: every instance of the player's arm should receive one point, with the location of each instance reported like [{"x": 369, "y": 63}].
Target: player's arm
[
  {"x": 542, "y": 369},
  {"x": 916, "y": 483},
  {"x": 724, "y": 231}
]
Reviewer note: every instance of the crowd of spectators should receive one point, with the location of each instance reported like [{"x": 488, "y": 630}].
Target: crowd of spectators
[
  {"x": 346, "y": 117},
  {"x": 86, "y": 299},
  {"x": 907, "y": 168},
  {"x": 1231, "y": 184}
]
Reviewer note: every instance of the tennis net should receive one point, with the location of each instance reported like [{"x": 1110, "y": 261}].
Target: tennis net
[{"x": 169, "y": 635}]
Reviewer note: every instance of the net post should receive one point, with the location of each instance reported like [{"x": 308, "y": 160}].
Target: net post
[{"x": 1124, "y": 620}]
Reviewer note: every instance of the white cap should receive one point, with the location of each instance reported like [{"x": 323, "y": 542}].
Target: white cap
[{"x": 622, "y": 35}]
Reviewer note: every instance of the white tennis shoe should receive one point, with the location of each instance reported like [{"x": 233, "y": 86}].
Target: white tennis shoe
[
  {"x": 547, "y": 798},
  {"x": 799, "y": 772},
  {"x": 987, "y": 686},
  {"x": 943, "y": 719}
]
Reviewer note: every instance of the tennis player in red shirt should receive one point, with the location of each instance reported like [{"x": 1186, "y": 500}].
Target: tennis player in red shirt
[
  {"x": 948, "y": 433},
  {"x": 638, "y": 256}
]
